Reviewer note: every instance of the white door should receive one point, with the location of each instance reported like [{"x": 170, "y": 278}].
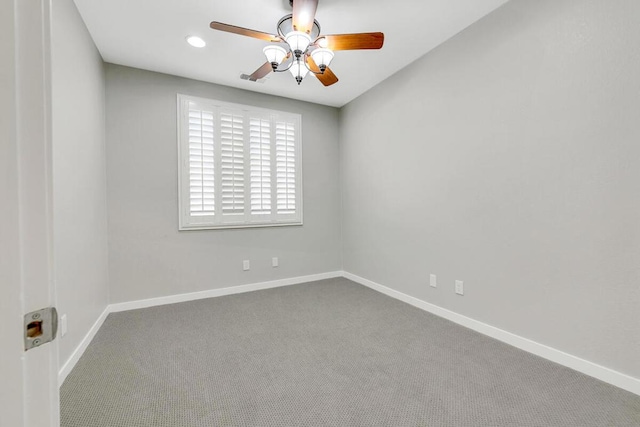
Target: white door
[{"x": 28, "y": 386}]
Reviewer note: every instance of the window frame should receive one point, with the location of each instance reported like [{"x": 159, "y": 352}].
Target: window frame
[{"x": 217, "y": 221}]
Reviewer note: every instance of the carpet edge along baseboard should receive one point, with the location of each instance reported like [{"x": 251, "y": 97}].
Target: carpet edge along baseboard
[{"x": 592, "y": 369}]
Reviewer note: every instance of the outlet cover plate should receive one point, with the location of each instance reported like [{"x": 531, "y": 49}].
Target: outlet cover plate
[
  {"x": 432, "y": 281},
  {"x": 459, "y": 287},
  {"x": 63, "y": 325}
]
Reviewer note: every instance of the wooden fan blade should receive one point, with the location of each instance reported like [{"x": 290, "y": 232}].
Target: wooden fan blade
[
  {"x": 244, "y": 32},
  {"x": 265, "y": 69},
  {"x": 327, "y": 78},
  {"x": 304, "y": 12},
  {"x": 312, "y": 65},
  {"x": 352, "y": 41},
  {"x": 261, "y": 72}
]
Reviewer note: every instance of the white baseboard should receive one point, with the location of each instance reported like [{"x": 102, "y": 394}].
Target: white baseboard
[
  {"x": 172, "y": 299},
  {"x": 79, "y": 351},
  {"x": 602, "y": 373}
]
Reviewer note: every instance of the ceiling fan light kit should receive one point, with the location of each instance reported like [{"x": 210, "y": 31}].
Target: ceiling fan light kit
[
  {"x": 275, "y": 55},
  {"x": 299, "y": 48},
  {"x": 298, "y": 42},
  {"x": 298, "y": 71},
  {"x": 322, "y": 57}
]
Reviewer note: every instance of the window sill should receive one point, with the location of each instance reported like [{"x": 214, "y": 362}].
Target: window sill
[{"x": 231, "y": 226}]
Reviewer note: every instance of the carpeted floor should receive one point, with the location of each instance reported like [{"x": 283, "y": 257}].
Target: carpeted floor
[{"x": 328, "y": 353}]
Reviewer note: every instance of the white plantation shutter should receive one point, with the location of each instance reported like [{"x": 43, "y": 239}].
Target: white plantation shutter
[
  {"x": 285, "y": 168},
  {"x": 240, "y": 166},
  {"x": 201, "y": 162},
  {"x": 232, "y": 162},
  {"x": 260, "y": 158}
]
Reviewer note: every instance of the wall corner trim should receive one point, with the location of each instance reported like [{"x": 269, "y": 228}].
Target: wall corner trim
[{"x": 594, "y": 370}]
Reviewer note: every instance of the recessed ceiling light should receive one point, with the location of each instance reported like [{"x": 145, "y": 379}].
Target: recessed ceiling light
[{"x": 196, "y": 41}]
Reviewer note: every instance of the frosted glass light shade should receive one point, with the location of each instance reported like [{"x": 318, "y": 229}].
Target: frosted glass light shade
[
  {"x": 298, "y": 40},
  {"x": 299, "y": 69},
  {"x": 322, "y": 57},
  {"x": 274, "y": 53}
]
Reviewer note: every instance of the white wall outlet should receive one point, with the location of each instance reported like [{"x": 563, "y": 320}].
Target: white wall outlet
[
  {"x": 63, "y": 325},
  {"x": 432, "y": 281},
  {"x": 246, "y": 265},
  {"x": 274, "y": 261},
  {"x": 459, "y": 287}
]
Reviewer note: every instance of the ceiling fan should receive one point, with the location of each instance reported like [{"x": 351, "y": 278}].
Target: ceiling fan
[{"x": 299, "y": 47}]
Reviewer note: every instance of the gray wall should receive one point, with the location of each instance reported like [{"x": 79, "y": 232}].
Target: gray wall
[
  {"x": 148, "y": 257},
  {"x": 508, "y": 158},
  {"x": 79, "y": 175}
]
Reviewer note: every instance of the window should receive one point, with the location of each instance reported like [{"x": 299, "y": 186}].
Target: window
[{"x": 239, "y": 166}]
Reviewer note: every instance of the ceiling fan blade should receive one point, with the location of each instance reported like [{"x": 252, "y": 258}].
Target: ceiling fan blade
[
  {"x": 244, "y": 32},
  {"x": 327, "y": 78},
  {"x": 352, "y": 41},
  {"x": 261, "y": 72},
  {"x": 312, "y": 65},
  {"x": 304, "y": 13}
]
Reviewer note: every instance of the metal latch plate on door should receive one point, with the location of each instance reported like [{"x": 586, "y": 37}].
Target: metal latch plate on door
[{"x": 40, "y": 327}]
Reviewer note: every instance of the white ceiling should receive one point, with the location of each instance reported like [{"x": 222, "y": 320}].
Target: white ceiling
[{"x": 150, "y": 34}]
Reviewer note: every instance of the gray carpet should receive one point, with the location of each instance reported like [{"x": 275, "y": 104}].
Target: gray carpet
[{"x": 328, "y": 353}]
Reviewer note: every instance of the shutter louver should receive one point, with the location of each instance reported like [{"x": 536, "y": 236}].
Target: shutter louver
[
  {"x": 285, "y": 168},
  {"x": 232, "y": 163},
  {"x": 260, "y": 157},
  {"x": 201, "y": 162},
  {"x": 239, "y": 166}
]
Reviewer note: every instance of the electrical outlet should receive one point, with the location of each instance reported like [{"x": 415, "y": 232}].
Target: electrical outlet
[
  {"x": 246, "y": 265},
  {"x": 432, "y": 281},
  {"x": 63, "y": 325},
  {"x": 274, "y": 261},
  {"x": 459, "y": 287}
]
